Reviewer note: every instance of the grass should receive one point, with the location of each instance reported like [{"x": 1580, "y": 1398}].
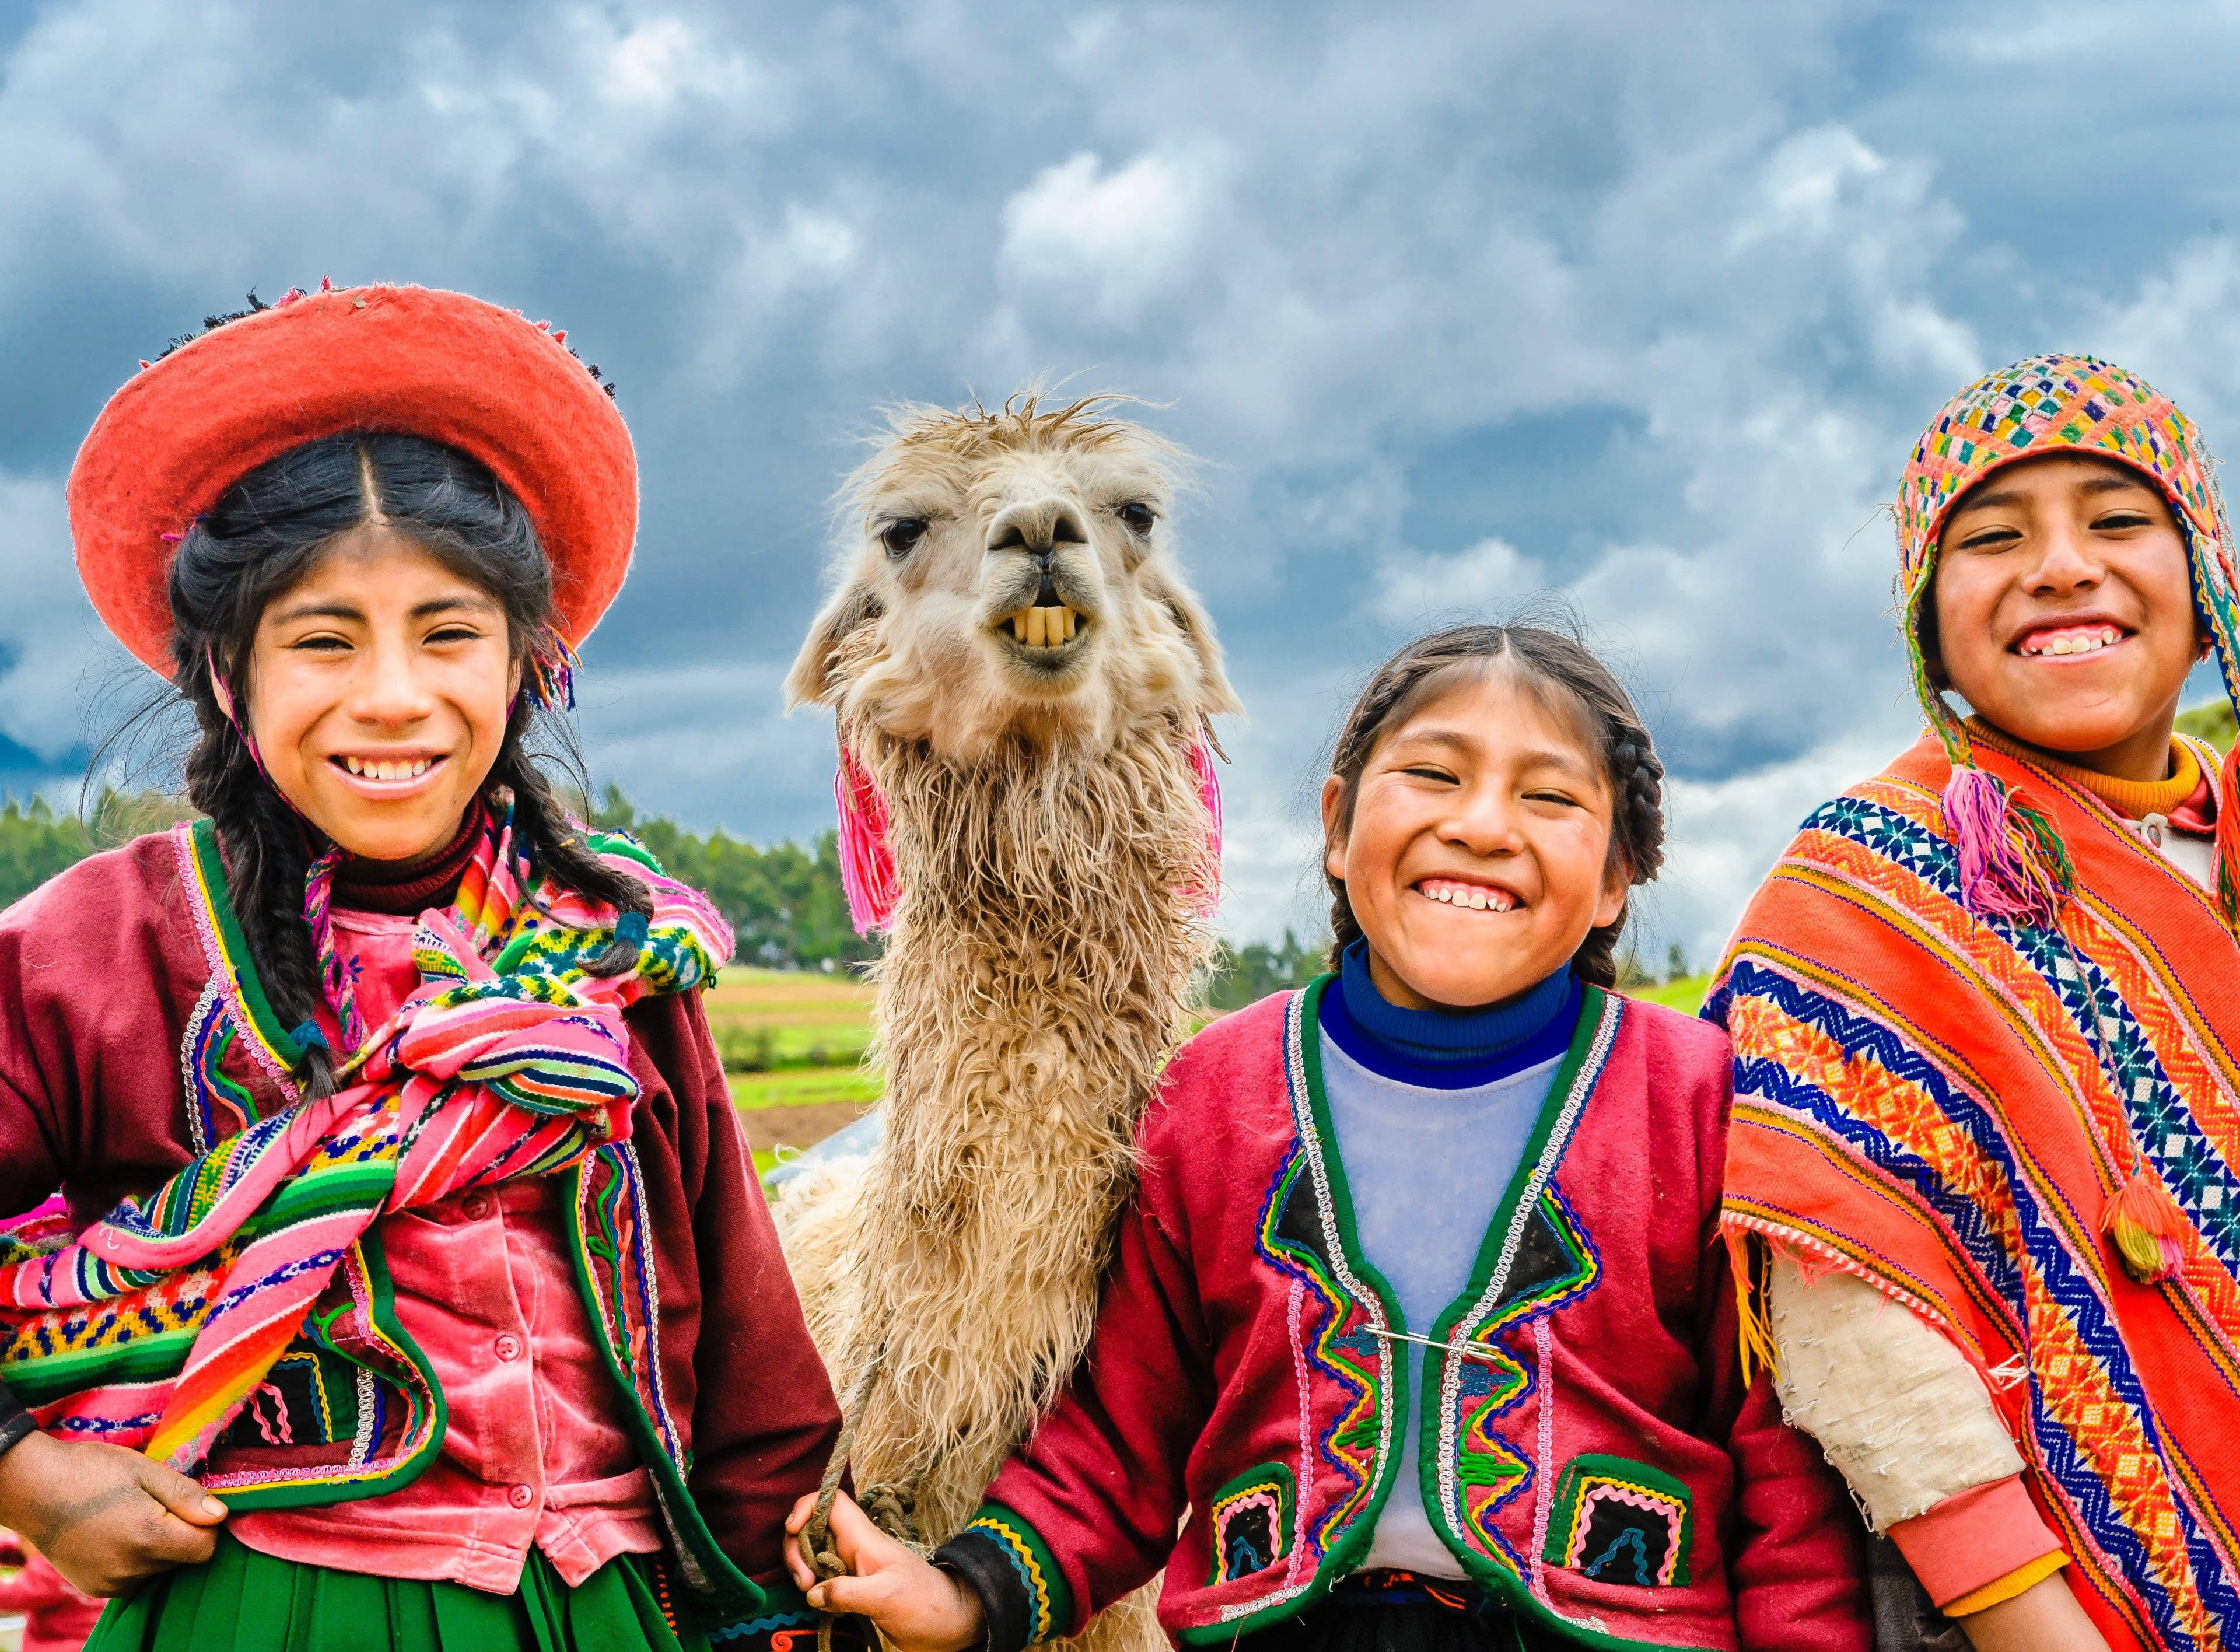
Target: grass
[
  {"x": 770, "y": 1019},
  {"x": 804, "y": 1087},
  {"x": 792, "y": 1038},
  {"x": 1685, "y": 995}
]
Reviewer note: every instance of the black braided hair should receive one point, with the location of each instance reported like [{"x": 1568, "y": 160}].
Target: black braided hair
[
  {"x": 1557, "y": 662},
  {"x": 267, "y": 531}
]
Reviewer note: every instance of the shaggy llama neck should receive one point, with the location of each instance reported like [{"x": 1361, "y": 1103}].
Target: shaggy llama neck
[{"x": 1037, "y": 975}]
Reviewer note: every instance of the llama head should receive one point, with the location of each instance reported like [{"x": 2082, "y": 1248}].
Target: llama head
[{"x": 1005, "y": 574}]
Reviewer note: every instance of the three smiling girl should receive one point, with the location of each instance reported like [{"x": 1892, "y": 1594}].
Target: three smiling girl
[{"x": 439, "y": 1259}]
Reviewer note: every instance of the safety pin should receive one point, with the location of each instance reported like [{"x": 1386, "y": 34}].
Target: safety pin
[{"x": 1468, "y": 1350}]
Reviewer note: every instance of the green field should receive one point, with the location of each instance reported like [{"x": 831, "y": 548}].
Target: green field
[
  {"x": 1685, "y": 995},
  {"x": 768, "y": 1019},
  {"x": 804, "y": 1087},
  {"x": 794, "y": 1041}
]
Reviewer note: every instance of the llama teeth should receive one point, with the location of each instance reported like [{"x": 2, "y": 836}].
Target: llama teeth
[{"x": 1036, "y": 621}]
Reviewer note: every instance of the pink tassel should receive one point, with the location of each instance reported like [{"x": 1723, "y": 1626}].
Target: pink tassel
[
  {"x": 1997, "y": 878},
  {"x": 2228, "y": 837},
  {"x": 867, "y": 858},
  {"x": 1205, "y": 898}
]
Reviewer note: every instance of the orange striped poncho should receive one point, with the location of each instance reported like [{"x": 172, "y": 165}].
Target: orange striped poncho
[{"x": 1921, "y": 1097}]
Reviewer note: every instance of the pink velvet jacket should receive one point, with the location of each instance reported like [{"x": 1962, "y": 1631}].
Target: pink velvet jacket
[
  {"x": 133, "y": 1032},
  {"x": 1590, "y": 1453}
]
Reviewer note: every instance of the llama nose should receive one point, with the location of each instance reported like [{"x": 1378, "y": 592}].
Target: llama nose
[{"x": 1037, "y": 527}]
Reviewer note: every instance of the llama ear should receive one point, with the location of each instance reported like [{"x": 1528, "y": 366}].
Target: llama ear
[
  {"x": 1163, "y": 586},
  {"x": 848, "y": 609}
]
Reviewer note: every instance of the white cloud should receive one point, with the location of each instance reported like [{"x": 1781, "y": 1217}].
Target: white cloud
[
  {"x": 1489, "y": 576},
  {"x": 2181, "y": 331},
  {"x": 1119, "y": 238},
  {"x": 1726, "y": 833},
  {"x": 664, "y": 59}
]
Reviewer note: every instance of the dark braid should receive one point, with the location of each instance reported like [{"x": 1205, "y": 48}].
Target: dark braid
[
  {"x": 266, "y": 857},
  {"x": 267, "y": 531},
  {"x": 1553, "y": 661}
]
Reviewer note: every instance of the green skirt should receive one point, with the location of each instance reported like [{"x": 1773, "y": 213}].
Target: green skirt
[{"x": 240, "y": 1601}]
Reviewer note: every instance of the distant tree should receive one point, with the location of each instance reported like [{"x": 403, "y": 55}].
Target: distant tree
[
  {"x": 784, "y": 903},
  {"x": 1676, "y": 963},
  {"x": 2212, "y": 722},
  {"x": 36, "y": 842},
  {"x": 1245, "y": 974}
]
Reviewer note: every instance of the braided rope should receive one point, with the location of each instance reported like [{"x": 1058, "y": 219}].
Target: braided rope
[{"x": 815, "y": 1538}]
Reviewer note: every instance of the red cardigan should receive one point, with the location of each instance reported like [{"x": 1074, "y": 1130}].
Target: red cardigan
[
  {"x": 1595, "y": 1462},
  {"x": 108, "y": 993}
]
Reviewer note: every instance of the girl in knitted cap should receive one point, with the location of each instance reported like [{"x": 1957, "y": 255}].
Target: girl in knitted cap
[
  {"x": 404, "y": 1206},
  {"x": 1985, "y": 1162}
]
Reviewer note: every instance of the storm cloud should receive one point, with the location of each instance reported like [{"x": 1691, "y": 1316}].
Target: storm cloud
[{"x": 1456, "y": 303}]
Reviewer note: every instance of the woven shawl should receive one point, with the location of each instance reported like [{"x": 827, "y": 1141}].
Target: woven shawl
[
  {"x": 154, "y": 1326},
  {"x": 1921, "y": 1097}
]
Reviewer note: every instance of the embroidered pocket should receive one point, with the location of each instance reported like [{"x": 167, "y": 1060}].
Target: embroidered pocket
[
  {"x": 1252, "y": 1517},
  {"x": 1620, "y": 1521}
]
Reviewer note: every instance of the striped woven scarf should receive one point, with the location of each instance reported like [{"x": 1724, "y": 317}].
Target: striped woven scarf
[{"x": 153, "y": 1326}]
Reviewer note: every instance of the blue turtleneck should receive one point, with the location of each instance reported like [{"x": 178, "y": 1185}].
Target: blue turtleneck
[
  {"x": 1447, "y": 1048},
  {"x": 1431, "y": 1109}
]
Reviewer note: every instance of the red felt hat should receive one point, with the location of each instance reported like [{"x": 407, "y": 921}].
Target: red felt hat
[{"x": 409, "y": 360}]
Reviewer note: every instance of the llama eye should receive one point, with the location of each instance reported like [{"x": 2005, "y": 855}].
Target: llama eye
[
  {"x": 901, "y": 537},
  {"x": 1138, "y": 516}
]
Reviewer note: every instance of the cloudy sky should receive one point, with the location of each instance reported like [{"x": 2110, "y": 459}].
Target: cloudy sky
[{"x": 1456, "y": 303}]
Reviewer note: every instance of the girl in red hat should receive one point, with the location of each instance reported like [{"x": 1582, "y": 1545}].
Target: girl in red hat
[{"x": 410, "y": 1284}]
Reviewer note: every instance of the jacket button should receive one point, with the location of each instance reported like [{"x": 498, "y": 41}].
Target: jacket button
[
  {"x": 509, "y": 1347},
  {"x": 520, "y": 1496},
  {"x": 477, "y": 1207}
]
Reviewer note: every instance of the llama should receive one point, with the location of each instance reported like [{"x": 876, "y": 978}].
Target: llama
[{"x": 1022, "y": 681}]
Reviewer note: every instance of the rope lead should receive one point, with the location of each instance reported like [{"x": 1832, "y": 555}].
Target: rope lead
[{"x": 816, "y": 1539}]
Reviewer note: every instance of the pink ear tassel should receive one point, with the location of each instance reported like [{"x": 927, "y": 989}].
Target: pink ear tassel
[
  {"x": 1205, "y": 900},
  {"x": 1997, "y": 879},
  {"x": 866, "y": 859}
]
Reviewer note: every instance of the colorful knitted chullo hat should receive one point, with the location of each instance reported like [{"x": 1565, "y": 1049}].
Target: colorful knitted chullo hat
[
  {"x": 2012, "y": 864},
  {"x": 414, "y": 361}
]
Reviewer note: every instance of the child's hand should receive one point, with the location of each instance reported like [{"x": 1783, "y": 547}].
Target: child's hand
[
  {"x": 918, "y": 1607},
  {"x": 105, "y": 1516}
]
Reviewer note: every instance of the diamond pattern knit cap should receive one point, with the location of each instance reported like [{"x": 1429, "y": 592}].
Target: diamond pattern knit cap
[
  {"x": 416, "y": 360},
  {"x": 2012, "y": 865}
]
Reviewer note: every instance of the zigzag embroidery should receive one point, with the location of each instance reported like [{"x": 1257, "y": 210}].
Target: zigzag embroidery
[
  {"x": 2070, "y": 1288},
  {"x": 1340, "y": 1443},
  {"x": 2191, "y": 1165}
]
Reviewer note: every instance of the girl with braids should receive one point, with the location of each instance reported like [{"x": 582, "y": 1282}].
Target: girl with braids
[
  {"x": 409, "y": 1285},
  {"x": 1418, "y": 1313}
]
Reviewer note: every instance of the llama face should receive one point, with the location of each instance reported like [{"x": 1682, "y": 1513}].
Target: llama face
[{"x": 1011, "y": 577}]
